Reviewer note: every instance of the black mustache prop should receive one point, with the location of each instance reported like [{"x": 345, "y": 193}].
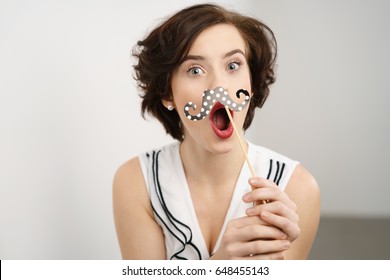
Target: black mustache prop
[{"x": 210, "y": 97}]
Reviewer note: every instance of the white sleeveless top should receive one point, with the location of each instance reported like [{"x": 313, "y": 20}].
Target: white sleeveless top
[{"x": 171, "y": 199}]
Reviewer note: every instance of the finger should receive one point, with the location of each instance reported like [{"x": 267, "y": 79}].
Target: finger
[
  {"x": 269, "y": 194},
  {"x": 272, "y": 256},
  {"x": 255, "y": 232},
  {"x": 287, "y": 226},
  {"x": 245, "y": 221},
  {"x": 258, "y": 182},
  {"x": 259, "y": 247},
  {"x": 275, "y": 207}
]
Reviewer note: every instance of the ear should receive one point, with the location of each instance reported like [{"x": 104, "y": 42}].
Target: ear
[{"x": 168, "y": 103}]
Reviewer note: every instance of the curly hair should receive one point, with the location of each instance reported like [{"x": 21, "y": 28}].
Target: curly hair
[{"x": 161, "y": 52}]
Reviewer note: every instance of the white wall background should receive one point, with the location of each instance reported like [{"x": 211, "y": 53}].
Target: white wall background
[
  {"x": 69, "y": 112},
  {"x": 329, "y": 107}
]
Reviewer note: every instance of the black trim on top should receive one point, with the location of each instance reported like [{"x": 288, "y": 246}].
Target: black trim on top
[
  {"x": 281, "y": 174},
  {"x": 169, "y": 215},
  {"x": 278, "y": 173},
  {"x": 270, "y": 169}
]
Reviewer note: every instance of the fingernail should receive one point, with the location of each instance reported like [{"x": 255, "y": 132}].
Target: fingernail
[
  {"x": 249, "y": 211},
  {"x": 253, "y": 180},
  {"x": 246, "y": 197},
  {"x": 286, "y": 244}
]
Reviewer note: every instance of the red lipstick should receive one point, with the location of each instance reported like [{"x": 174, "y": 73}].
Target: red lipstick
[{"x": 220, "y": 122}]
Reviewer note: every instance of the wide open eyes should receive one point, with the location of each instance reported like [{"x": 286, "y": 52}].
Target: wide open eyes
[
  {"x": 195, "y": 70},
  {"x": 233, "y": 66}
]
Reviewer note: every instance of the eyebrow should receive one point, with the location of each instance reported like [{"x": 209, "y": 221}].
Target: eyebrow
[
  {"x": 199, "y": 57},
  {"x": 234, "y": 52}
]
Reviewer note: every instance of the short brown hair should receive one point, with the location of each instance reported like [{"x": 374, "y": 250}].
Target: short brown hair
[{"x": 161, "y": 52}]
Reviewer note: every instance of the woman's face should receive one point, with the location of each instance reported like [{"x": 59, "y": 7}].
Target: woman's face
[{"x": 217, "y": 58}]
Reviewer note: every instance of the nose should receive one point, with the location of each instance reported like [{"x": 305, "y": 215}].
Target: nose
[{"x": 217, "y": 79}]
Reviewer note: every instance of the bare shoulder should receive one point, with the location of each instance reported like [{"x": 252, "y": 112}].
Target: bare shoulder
[
  {"x": 302, "y": 184},
  {"x": 129, "y": 184},
  {"x": 304, "y": 191},
  {"x": 129, "y": 177},
  {"x": 139, "y": 236}
]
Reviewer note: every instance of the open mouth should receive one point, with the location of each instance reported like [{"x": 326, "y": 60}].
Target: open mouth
[{"x": 220, "y": 122}]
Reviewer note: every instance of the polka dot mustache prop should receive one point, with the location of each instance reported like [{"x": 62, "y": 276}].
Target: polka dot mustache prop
[{"x": 210, "y": 97}]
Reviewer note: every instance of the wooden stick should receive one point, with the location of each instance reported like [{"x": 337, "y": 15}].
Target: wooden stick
[
  {"x": 241, "y": 143},
  {"x": 239, "y": 140}
]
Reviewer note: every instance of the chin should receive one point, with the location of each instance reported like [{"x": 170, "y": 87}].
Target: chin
[
  {"x": 221, "y": 146},
  {"x": 210, "y": 142}
]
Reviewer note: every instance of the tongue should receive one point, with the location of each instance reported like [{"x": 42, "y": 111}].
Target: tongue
[{"x": 220, "y": 119}]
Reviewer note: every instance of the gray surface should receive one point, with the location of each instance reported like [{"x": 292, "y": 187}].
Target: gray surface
[{"x": 352, "y": 238}]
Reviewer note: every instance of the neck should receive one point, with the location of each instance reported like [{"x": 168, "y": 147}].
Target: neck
[{"x": 211, "y": 169}]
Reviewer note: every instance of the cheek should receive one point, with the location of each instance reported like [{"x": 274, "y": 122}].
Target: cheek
[
  {"x": 242, "y": 115},
  {"x": 185, "y": 96},
  {"x": 246, "y": 80}
]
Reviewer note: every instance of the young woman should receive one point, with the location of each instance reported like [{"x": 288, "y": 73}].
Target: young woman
[{"x": 196, "y": 198}]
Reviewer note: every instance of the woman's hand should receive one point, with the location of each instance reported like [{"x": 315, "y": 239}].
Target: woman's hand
[
  {"x": 252, "y": 238},
  {"x": 268, "y": 229},
  {"x": 279, "y": 211}
]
